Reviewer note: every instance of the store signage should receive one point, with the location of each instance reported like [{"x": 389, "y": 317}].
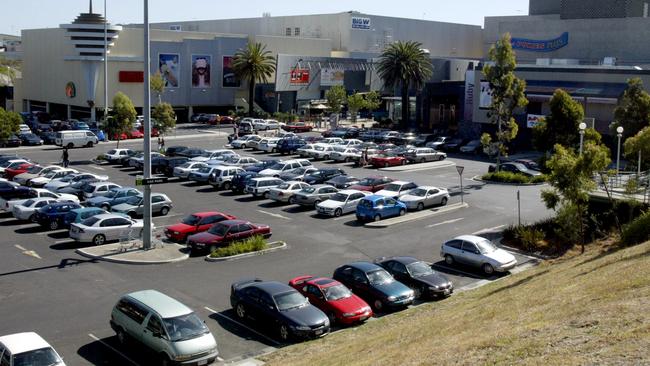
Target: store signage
[
  {"x": 541, "y": 45},
  {"x": 331, "y": 77},
  {"x": 140, "y": 181},
  {"x": 534, "y": 120},
  {"x": 131, "y": 77},
  {"x": 299, "y": 77},
  {"x": 70, "y": 90},
  {"x": 485, "y": 98},
  {"x": 360, "y": 23}
]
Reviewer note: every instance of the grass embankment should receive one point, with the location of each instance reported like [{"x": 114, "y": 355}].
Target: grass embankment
[
  {"x": 253, "y": 244},
  {"x": 581, "y": 309}
]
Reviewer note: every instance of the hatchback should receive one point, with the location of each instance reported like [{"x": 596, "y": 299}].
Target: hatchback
[
  {"x": 477, "y": 252},
  {"x": 378, "y": 207}
]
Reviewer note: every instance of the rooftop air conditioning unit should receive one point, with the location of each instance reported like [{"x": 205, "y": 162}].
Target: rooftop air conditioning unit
[{"x": 609, "y": 61}]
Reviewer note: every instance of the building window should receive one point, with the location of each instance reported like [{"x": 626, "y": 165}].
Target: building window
[
  {"x": 288, "y": 32},
  {"x": 176, "y": 28},
  {"x": 296, "y": 31},
  {"x": 645, "y": 10}
]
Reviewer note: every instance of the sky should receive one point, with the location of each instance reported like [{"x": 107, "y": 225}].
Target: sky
[{"x": 29, "y": 14}]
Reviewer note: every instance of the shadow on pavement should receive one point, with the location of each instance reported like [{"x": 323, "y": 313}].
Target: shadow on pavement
[
  {"x": 463, "y": 271},
  {"x": 32, "y": 230},
  {"x": 108, "y": 352},
  {"x": 68, "y": 262},
  {"x": 69, "y": 245},
  {"x": 298, "y": 209},
  {"x": 228, "y": 321}
]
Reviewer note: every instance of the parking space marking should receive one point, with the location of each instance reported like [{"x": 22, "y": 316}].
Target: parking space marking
[
  {"x": 243, "y": 326},
  {"x": 24, "y": 226},
  {"x": 490, "y": 229},
  {"x": 7, "y": 219},
  {"x": 20, "y": 247},
  {"x": 97, "y": 167},
  {"x": 30, "y": 253},
  {"x": 113, "y": 349},
  {"x": 446, "y": 222},
  {"x": 274, "y": 215}
]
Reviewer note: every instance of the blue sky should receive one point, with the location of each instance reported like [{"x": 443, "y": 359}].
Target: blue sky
[{"x": 27, "y": 14}]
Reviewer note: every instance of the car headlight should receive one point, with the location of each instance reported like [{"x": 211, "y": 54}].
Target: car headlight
[
  {"x": 182, "y": 358},
  {"x": 433, "y": 287},
  {"x": 392, "y": 298},
  {"x": 327, "y": 322},
  {"x": 347, "y": 315},
  {"x": 177, "y": 233}
]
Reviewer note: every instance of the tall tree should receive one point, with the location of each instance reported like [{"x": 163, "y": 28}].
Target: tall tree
[
  {"x": 639, "y": 143},
  {"x": 255, "y": 64},
  {"x": 633, "y": 110},
  {"x": 372, "y": 101},
  {"x": 561, "y": 126},
  {"x": 164, "y": 116},
  {"x": 356, "y": 102},
  {"x": 123, "y": 116},
  {"x": 9, "y": 123},
  {"x": 336, "y": 97},
  {"x": 404, "y": 65},
  {"x": 507, "y": 93},
  {"x": 157, "y": 85}
]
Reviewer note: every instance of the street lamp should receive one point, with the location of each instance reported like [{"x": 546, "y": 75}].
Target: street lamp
[
  {"x": 582, "y": 126},
  {"x": 619, "y": 134},
  {"x": 146, "y": 235}
]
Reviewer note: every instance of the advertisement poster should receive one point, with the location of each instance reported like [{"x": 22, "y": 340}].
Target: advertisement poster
[
  {"x": 360, "y": 23},
  {"x": 331, "y": 77},
  {"x": 299, "y": 77},
  {"x": 469, "y": 96},
  {"x": 169, "y": 67},
  {"x": 230, "y": 80},
  {"x": 534, "y": 45},
  {"x": 201, "y": 65},
  {"x": 485, "y": 100},
  {"x": 534, "y": 120}
]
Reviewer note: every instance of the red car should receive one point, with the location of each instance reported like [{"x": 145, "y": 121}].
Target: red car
[
  {"x": 122, "y": 136},
  {"x": 10, "y": 173},
  {"x": 195, "y": 223},
  {"x": 297, "y": 127},
  {"x": 224, "y": 233},
  {"x": 382, "y": 161},
  {"x": 154, "y": 131},
  {"x": 333, "y": 298},
  {"x": 135, "y": 134},
  {"x": 372, "y": 184}
]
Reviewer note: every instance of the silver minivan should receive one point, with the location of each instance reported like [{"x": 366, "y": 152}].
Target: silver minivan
[{"x": 166, "y": 326}]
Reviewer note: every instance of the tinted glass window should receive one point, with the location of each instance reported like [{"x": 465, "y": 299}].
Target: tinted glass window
[
  {"x": 132, "y": 310},
  {"x": 154, "y": 324},
  {"x": 454, "y": 244},
  {"x": 4, "y": 361},
  {"x": 469, "y": 247}
]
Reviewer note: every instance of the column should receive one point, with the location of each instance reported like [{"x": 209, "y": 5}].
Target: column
[
  {"x": 93, "y": 114},
  {"x": 69, "y": 112},
  {"x": 47, "y": 107},
  {"x": 28, "y": 106},
  {"x": 190, "y": 113}
]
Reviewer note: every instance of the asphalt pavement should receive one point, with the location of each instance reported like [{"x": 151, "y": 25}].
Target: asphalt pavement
[{"x": 46, "y": 287}]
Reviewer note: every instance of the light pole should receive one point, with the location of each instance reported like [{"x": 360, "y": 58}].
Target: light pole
[
  {"x": 582, "y": 126},
  {"x": 105, "y": 62},
  {"x": 619, "y": 134},
  {"x": 146, "y": 235}
]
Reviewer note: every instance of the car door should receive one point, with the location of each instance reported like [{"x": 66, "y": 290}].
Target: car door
[
  {"x": 399, "y": 272},
  {"x": 153, "y": 333},
  {"x": 390, "y": 207},
  {"x": 250, "y": 297},
  {"x": 207, "y": 223},
  {"x": 268, "y": 311},
  {"x": 433, "y": 197},
  {"x": 361, "y": 284},
  {"x": 470, "y": 254},
  {"x": 244, "y": 231},
  {"x": 157, "y": 203},
  {"x": 453, "y": 248},
  {"x": 315, "y": 295}
]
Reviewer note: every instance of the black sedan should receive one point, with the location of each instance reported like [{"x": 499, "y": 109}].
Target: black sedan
[
  {"x": 30, "y": 139},
  {"x": 342, "y": 181},
  {"x": 11, "y": 141},
  {"x": 515, "y": 168},
  {"x": 48, "y": 137},
  {"x": 322, "y": 175},
  {"x": 12, "y": 190},
  {"x": 425, "y": 282},
  {"x": 175, "y": 150},
  {"x": 77, "y": 188},
  {"x": 280, "y": 306},
  {"x": 191, "y": 153}
]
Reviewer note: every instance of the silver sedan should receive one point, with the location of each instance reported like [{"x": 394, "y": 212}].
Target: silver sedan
[
  {"x": 134, "y": 207},
  {"x": 314, "y": 195},
  {"x": 106, "y": 227},
  {"x": 425, "y": 196},
  {"x": 285, "y": 192}
]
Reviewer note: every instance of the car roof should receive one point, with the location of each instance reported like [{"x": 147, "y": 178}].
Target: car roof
[
  {"x": 403, "y": 260},
  {"x": 23, "y": 342},
  {"x": 207, "y": 213},
  {"x": 363, "y": 266},
  {"x": 265, "y": 178},
  {"x": 108, "y": 216},
  {"x": 272, "y": 287},
  {"x": 374, "y": 197},
  {"x": 233, "y": 222},
  {"x": 86, "y": 209},
  {"x": 165, "y": 306},
  {"x": 470, "y": 238},
  {"x": 323, "y": 282},
  {"x": 350, "y": 191},
  {"x": 400, "y": 182}
]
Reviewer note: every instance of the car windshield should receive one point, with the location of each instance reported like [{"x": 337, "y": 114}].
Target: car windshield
[
  {"x": 185, "y": 327},
  {"x": 43, "y": 356},
  {"x": 299, "y": 171},
  {"x": 219, "y": 230},
  {"x": 205, "y": 169},
  {"x": 308, "y": 190},
  {"x": 206, "y": 154},
  {"x": 28, "y": 203},
  {"x": 419, "y": 269},
  {"x": 134, "y": 201},
  {"x": 367, "y": 182},
  {"x": 34, "y": 169},
  {"x": 112, "y": 194},
  {"x": 276, "y": 166},
  {"x": 290, "y": 300},
  {"x": 485, "y": 246},
  {"x": 393, "y": 187},
  {"x": 379, "y": 277},
  {"x": 284, "y": 186},
  {"x": 50, "y": 174},
  {"x": 90, "y": 221},
  {"x": 336, "y": 292},
  {"x": 186, "y": 165},
  {"x": 191, "y": 220},
  {"x": 339, "y": 197},
  {"x": 111, "y": 152},
  {"x": 233, "y": 159},
  {"x": 68, "y": 178},
  {"x": 418, "y": 192}
]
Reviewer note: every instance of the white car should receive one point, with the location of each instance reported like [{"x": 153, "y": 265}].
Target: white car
[
  {"x": 331, "y": 141},
  {"x": 341, "y": 203},
  {"x": 114, "y": 155},
  {"x": 34, "y": 172},
  {"x": 241, "y": 143},
  {"x": 70, "y": 179},
  {"x": 99, "y": 189},
  {"x": 47, "y": 178},
  {"x": 183, "y": 171},
  {"x": 285, "y": 191},
  {"x": 282, "y": 166},
  {"x": 425, "y": 196},
  {"x": 240, "y": 161},
  {"x": 106, "y": 227},
  {"x": 269, "y": 124},
  {"x": 221, "y": 154},
  {"x": 439, "y": 141},
  {"x": 350, "y": 142},
  {"x": 40, "y": 193},
  {"x": 322, "y": 151},
  {"x": 24, "y": 128},
  {"x": 397, "y": 189},
  {"x": 26, "y": 209},
  {"x": 306, "y": 150},
  {"x": 269, "y": 144},
  {"x": 346, "y": 155},
  {"x": 10, "y": 164},
  {"x": 477, "y": 252},
  {"x": 138, "y": 160},
  {"x": 259, "y": 124},
  {"x": 27, "y": 349},
  {"x": 285, "y": 134}
]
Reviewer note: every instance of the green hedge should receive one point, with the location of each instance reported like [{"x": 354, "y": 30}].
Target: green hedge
[
  {"x": 509, "y": 177},
  {"x": 638, "y": 231},
  {"x": 253, "y": 244}
]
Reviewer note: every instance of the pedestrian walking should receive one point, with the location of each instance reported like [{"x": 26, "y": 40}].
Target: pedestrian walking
[
  {"x": 159, "y": 144},
  {"x": 162, "y": 144},
  {"x": 65, "y": 157}
]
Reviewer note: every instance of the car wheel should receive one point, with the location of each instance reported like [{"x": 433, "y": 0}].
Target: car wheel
[
  {"x": 292, "y": 200},
  {"x": 164, "y": 360},
  {"x": 441, "y": 158},
  {"x": 284, "y": 333},
  {"x": 417, "y": 291},
  {"x": 70, "y": 145},
  {"x": 106, "y": 207},
  {"x": 226, "y": 186},
  {"x": 338, "y": 212},
  {"x": 54, "y": 224},
  {"x": 326, "y": 157},
  {"x": 164, "y": 211},
  {"x": 212, "y": 248},
  {"x": 89, "y": 144},
  {"x": 423, "y": 160},
  {"x": 267, "y": 195},
  {"x": 99, "y": 239},
  {"x": 449, "y": 259},
  {"x": 273, "y": 151},
  {"x": 32, "y": 218},
  {"x": 377, "y": 217},
  {"x": 488, "y": 269},
  {"x": 420, "y": 206},
  {"x": 403, "y": 162},
  {"x": 378, "y": 305},
  {"x": 132, "y": 215},
  {"x": 386, "y": 165},
  {"x": 241, "y": 311},
  {"x": 443, "y": 201},
  {"x": 316, "y": 203},
  {"x": 122, "y": 337},
  {"x": 348, "y": 160},
  {"x": 402, "y": 212},
  {"x": 243, "y": 146}
]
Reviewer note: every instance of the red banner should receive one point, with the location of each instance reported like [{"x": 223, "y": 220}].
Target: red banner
[
  {"x": 131, "y": 77},
  {"x": 299, "y": 77}
]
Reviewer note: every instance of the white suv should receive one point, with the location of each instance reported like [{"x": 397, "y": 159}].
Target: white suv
[{"x": 27, "y": 349}]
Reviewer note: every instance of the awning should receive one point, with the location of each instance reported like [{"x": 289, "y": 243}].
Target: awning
[{"x": 576, "y": 89}]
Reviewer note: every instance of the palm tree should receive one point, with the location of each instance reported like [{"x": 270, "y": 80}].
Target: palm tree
[
  {"x": 255, "y": 64},
  {"x": 405, "y": 64}
]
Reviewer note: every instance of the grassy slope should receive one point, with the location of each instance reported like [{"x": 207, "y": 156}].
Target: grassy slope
[{"x": 582, "y": 309}]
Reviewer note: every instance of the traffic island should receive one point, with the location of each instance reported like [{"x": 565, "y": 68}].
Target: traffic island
[
  {"x": 269, "y": 248},
  {"x": 419, "y": 166},
  {"x": 133, "y": 253}
]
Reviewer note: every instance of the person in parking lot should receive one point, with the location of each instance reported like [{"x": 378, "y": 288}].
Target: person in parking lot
[
  {"x": 65, "y": 157},
  {"x": 162, "y": 144}
]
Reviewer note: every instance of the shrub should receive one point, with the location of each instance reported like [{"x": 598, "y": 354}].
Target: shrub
[
  {"x": 253, "y": 244},
  {"x": 506, "y": 177},
  {"x": 528, "y": 238},
  {"x": 100, "y": 157},
  {"x": 637, "y": 231},
  {"x": 538, "y": 179}
]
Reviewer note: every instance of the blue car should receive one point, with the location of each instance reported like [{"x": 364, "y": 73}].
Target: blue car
[
  {"x": 240, "y": 180},
  {"x": 375, "y": 208},
  {"x": 289, "y": 146},
  {"x": 78, "y": 215},
  {"x": 53, "y": 215},
  {"x": 113, "y": 198}
]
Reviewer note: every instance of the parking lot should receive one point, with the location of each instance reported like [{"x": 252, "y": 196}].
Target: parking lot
[{"x": 46, "y": 287}]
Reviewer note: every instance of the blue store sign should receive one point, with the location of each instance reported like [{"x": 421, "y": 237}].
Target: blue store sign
[{"x": 541, "y": 46}]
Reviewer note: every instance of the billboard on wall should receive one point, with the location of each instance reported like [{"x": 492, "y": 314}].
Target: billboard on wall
[
  {"x": 485, "y": 99},
  {"x": 169, "y": 67},
  {"x": 548, "y": 45},
  {"x": 229, "y": 79},
  {"x": 331, "y": 77},
  {"x": 534, "y": 120},
  {"x": 299, "y": 77},
  {"x": 361, "y": 23},
  {"x": 201, "y": 70},
  {"x": 468, "y": 115}
]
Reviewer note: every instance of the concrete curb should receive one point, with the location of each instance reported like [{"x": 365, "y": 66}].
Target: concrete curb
[
  {"x": 112, "y": 259},
  {"x": 416, "y": 216},
  {"x": 421, "y": 166},
  {"x": 478, "y": 179},
  {"x": 282, "y": 245}
]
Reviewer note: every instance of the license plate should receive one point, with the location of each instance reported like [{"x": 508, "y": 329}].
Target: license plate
[
  {"x": 318, "y": 332},
  {"x": 447, "y": 292},
  {"x": 363, "y": 318},
  {"x": 202, "y": 362}
]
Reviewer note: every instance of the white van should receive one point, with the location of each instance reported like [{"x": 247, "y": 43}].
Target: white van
[{"x": 78, "y": 138}]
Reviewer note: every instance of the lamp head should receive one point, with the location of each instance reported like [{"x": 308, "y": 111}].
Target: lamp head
[
  {"x": 582, "y": 126},
  {"x": 619, "y": 129}
]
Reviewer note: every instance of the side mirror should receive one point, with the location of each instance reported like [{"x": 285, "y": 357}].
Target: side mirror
[{"x": 157, "y": 334}]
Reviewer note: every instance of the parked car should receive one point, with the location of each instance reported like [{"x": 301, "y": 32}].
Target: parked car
[
  {"x": 52, "y": 216},
  {"x": 285, "y": 191},
  {"x": 11, "y": 141},
  {"x": 322, "y": 175},
  {"x": 134, "y": 206},
  {"x": 211, "y": 155},
  {"x": 425, "y": 282},
  {"x": 112, "y": 198},
  {"x": 341, "y": 203},
  {"x": 377, "y": 207},
  {"x": 102, "y": 228},
  {"x": 30, "y": 139},
  {"x": 192, "y": 153},
  {"x": 290, "y": 145},
  {"x": 322, "y": 151},
  {"x": 297, "y": 173},
  {"x": 195, "y": 223},
  {"x": 346, "y": 155},
  {"x": 530, "y": 164},
  {"x": 202, "y": 175},
  {"x": 26, "y": 209},
  {"x": 11, "y": 164},
  {"x": 342, "y": 181},
  {"x": 452, "y": 144},
  {"x": 397, "y": 189},
  {"x": 48, "y": 137},
  {"x": 80, "y": 214},
  {"x": 165, "y": 164},
  {"x": 222, "y": 176},
  {"x": 277, "y": 305},
  {"x": 297, "y": 127},
  {"x": 27, "y": 349},
  {"x": 55, "y": 184},
  {"x": 424, "y": 154},
  {"x": 245, "y": 141},
  {"x": 425, "y": 196},
  {"x": 183, "y": 171},
  {"x": 12, "y": 171},
  {"x": 225, "y": 232},
  {"x": 374, "y": 285},
  {"x": 515, "y": 168},
  {"x": 33, "y": 172},
  {"x": 264, "y": 164},
  {"x": 313, "y": 195},
  {"x": 386, "y": 159},
  {"x": 171, "y": 330},
  {"x": 407, "y": 138},
  {"x": 476, "y": 251},
  {"x": 306, "y": 150},
  {"x": 99, "y": 188},
  {"x": 472, "y": 147},
  {"x": 137, "y": 161},
  {"x": 174, "y": 150},
  {"x": 372, "y": 184},
  {"x": 114, "y": 156},
  {"x": 239, "y": 181},
  {"x": 47, "y": 178},
  {"x": 268, "y": 144},
  {"x": 283, "y": 166},
  {"x": 36, "y": 193},
  {"x": 261, "y": 186},
  {"x": 240, "y": 161},
  {"x": 77, "y": 188}
]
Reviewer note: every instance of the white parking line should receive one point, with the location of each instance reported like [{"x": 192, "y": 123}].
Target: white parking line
[
  {"x": 242, "y": 325},
  {"x": 113, "y": 349},
  {"x": 20, "y": 247},
  {"x": 446, "y": 222},
  {"x": 24, "y": 226},
  {"x": 7, "y": 219},
  {"x": 274, "y": 215},
  {"x": 97, "y": 167},
  {"x": 490, "y": 229}
]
